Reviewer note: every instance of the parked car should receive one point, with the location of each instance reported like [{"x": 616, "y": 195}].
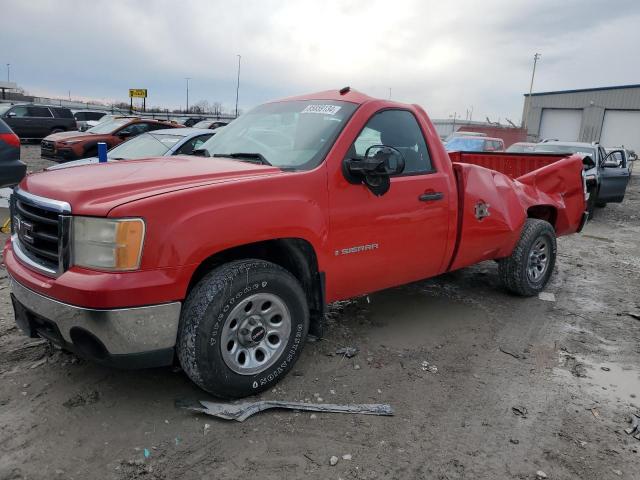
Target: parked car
[
  {"x": 606, "y": 181},
  {"x": 159, "y": 143},
  {"x": 189, "y": 121},
  {"x": 12, "y": 170},
  {"x": 229, "y": 261},
  {"x": 472, "y": 143},
  {"x": 73, "y": 145},
  {"x": 83, "y": 117},
  {"x": 28, "y": 120},
  {"x": 211, "y": 124},
  {"x": 462, "y": 133},
  {"x": 521, "y": 147}
]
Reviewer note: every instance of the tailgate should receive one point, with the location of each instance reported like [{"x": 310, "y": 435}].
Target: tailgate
[{"x": 513, "y": 165}]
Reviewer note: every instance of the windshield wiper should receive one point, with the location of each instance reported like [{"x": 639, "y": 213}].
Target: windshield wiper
[{"x": 251, "y": 157}]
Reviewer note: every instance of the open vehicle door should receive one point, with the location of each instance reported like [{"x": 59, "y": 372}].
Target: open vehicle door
[{"x": 614, "y": 177}]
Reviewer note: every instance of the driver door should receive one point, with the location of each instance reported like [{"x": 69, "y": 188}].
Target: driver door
[
  {"x": 614, "y": 178},
  {"x": 400, "y": 236}
]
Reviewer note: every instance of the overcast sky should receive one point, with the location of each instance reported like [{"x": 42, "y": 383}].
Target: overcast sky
[{"x": 446, "y": 56}]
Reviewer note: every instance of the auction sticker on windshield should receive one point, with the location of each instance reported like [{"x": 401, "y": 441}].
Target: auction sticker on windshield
[{"x": 324, "y": 109}]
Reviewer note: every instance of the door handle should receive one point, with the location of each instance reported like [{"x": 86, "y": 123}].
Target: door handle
[{"x": 431, "y": 196}]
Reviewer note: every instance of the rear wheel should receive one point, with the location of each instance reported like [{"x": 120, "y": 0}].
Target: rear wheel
[
  {"x": 528, "y": 269},
  {"x": 242, "y": 328},
  {"x": 601, "y": 204}
]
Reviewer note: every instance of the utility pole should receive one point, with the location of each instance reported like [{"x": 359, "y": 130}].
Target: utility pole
[
  {"x": 389, "y": 93},
  {"x": 187, "y": 79},
  {"x": 238, "y": 85},
  {"x": 8, "y": 70},
  {"x": 536, "y": 57}
]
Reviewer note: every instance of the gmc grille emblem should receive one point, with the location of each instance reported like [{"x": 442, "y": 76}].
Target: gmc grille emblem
[{"x": 25, "y": 231}]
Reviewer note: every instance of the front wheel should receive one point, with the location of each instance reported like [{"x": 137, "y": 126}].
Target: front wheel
[
  {"x": 528, "y": 269},
  {"x": 242, "y": 328}
]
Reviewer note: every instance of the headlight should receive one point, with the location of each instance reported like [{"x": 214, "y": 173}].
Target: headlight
[{"x": 107, "y": 244}]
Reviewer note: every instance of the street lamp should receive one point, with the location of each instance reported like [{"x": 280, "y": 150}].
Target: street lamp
[
  {"x": 536, "y": 57},
  {"x": 238, "y": 85},
  {"x": 187, "y": 79},
  {"x": 8, "y": 69}
]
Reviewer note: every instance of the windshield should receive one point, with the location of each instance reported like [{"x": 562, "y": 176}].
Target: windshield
[
  {"x": 555, "y": 148},
  {"x": 109, "y": 126},
  {"x": 143, "y": 146},
  {"x": 292, "y": 134},
  {"x": 4, "y": 108},
  {"x": 465, "y": 144}
]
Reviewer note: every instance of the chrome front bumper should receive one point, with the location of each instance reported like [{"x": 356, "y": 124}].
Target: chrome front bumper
[{"x": 122, "y": 332}]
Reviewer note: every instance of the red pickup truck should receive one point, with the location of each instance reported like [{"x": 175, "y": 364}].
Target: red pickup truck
[{"x": 227, "y": 259}]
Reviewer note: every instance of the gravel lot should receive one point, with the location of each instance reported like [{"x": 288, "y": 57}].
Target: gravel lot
[{"x": 62, "y": 417}]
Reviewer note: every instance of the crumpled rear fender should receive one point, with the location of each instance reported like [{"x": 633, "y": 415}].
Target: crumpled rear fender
[{"x": 556, "y": 189}]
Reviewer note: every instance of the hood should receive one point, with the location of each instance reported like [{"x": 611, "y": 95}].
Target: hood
[
  {"x": 97, "y": 188},
  {"x": 55, "y": 137},
  {"x": 76, "y": 163}
]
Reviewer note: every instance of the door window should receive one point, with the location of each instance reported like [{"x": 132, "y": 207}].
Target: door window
[
  {"x": 193, "y": 144},
  {"x": 40, "y": 112},
  {"x": 20, "y": 112},
  {"x": 400, "y": 130}
]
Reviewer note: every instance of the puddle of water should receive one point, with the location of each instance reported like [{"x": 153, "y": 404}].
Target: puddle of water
[
  {"x": 408, "y": 318},
  {"x": 618, "y": 381},
  {"x": 622, "y": 382}
]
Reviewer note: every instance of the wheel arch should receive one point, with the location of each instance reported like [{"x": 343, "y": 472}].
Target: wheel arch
[
  {"x": 296, "y": 255},
  {"x": 548, "y": 213}
]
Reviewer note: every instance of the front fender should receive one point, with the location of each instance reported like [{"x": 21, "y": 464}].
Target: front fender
[{"x": 185, "y": 227}]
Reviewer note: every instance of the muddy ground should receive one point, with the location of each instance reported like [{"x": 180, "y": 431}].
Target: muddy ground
[{"x": 62, "y": 417}]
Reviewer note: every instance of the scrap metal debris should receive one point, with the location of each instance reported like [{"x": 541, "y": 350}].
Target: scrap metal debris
[
  {"x": 634, "y": 429},
  {"x": 243, "y": 410},
  {"x": 427, "y": 367},
  {"x": 547, "y": 296},
  {"x": 514, "y": 355},
  {"x": 348, "y": 352},
  {"x": 520, "y": 411}
]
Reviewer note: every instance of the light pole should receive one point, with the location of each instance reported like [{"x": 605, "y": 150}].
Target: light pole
[
  {"x": 8, "y": 69},
  {"x": 536, "y": 57},
  {"x": 187, "y": 79},
  {"x": 238, "y": 85}
]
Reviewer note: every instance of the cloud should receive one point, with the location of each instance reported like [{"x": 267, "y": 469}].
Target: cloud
[{"x": 444, "y": 56}]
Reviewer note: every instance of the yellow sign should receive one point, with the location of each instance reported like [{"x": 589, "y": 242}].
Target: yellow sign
[{"x": 138, "y": 93}]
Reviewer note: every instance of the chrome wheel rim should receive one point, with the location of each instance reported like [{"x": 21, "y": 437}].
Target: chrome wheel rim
[
  {"x": 255, "y": 333},
  {"x": 538, "y": 259}
]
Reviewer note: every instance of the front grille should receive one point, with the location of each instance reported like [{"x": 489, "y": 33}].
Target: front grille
[
  {"x": 40, "y": 232},
  {"x": 47, "y": 147}
]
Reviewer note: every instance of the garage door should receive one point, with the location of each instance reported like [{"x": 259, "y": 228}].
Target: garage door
[
  {"x": 563, "y": 124},
  {"x": 621, "y": 127}
]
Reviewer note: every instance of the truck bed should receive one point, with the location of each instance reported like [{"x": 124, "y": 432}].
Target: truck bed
[{"x": 513, "y": 165}]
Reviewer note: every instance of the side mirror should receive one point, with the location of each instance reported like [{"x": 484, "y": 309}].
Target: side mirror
[
  {"x": 588, "y": 162},
  {"x": 123, "y": 135},
  {"x": 11, "y": 114},
  {"x": 200, "y": 152},
  {"x": 374, "y": 170},
  {"x": 613, "y": 159}
]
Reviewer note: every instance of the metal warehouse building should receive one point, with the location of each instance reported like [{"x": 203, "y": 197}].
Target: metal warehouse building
[{"x": 609, "y": 115}]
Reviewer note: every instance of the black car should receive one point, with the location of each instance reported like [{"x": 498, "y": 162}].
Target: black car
[
  {"x": 211, "y": 124},
  {"x": 28, "y": 120},
  {"x": 12, "y": 170}
]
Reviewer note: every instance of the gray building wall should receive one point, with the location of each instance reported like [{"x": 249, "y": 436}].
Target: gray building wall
[{"x": 593, "y": 103}]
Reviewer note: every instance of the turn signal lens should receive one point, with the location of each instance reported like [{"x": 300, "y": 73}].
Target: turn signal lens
[{"x": 108, "y": 244}]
